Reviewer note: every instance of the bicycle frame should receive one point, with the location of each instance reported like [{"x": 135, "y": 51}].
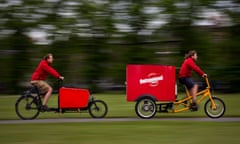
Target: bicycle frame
[
  {"x": 38, "y": 95},
  {"x": 201, "y": 95},
  {"x": 28, "y": 106}
]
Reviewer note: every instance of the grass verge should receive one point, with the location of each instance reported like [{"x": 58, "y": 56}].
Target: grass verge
[
  {"x": 118, "y": 107},
  {"x": 140, "y": 132}
]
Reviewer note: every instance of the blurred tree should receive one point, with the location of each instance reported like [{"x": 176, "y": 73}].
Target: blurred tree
[
  {"x": 19, "y": 63},
  {"x": 103, "y": 36},
  {"x": 18, "y": 45}
]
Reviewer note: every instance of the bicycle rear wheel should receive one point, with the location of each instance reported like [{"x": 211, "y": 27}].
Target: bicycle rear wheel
[
  {"x": 146, "y": 108},
  {"x": 214, "y": 112},
  {"x": 98, "y": 109},
  {"x": 26, "y": 107}
]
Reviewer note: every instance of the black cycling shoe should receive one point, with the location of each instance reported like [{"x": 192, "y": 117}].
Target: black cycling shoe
[
  {"x": 194, "y": 107},
  {"x": 43, "y": 108}
]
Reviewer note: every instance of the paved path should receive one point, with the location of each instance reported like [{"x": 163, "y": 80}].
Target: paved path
[{"x": 82, "y": 120}]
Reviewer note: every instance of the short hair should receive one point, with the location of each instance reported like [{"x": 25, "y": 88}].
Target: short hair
[
  {"x": 47, "y": 56},
  {"x": 190, "y": 53}
]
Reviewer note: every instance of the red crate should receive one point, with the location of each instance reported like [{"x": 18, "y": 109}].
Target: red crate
[
  {"x": 73, "y": 98},
  {"x": 152, "y": 80}
]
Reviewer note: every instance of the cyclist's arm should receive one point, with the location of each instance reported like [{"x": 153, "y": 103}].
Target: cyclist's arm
[
  {"x": 197, "y": 69},
  {"x": 51, "y": 71}
]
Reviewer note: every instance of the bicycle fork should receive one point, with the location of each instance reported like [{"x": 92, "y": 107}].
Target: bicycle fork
[{"x": 212, "y": 102}]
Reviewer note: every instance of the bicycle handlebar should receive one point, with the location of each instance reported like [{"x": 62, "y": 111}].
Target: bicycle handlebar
[{"x": 60, "y": 83}]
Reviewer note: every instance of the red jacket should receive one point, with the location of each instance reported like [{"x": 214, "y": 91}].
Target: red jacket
[
  {"x": 43, "y": 70},
  {"x": 187, "y": 67}
]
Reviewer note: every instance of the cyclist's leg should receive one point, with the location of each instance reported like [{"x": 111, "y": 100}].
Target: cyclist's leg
[
  {"x": 191, "y": 87},
  {"x": 43, "y": 88},
  {"x": 193, "y": 92},
  {"x": 47, "y": 89}
]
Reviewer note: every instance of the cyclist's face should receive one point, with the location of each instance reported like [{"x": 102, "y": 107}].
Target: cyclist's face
[
  {"x": 195, "y": 56},
  {"x": 50, "y": 59}
]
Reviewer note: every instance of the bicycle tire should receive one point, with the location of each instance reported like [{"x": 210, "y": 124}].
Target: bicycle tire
[
  {"x": 98, "y": 109},
  {"x": 215, "y": 113},
  {"x": 146, "y": 108},
  {"x": 26, "y": 107}
]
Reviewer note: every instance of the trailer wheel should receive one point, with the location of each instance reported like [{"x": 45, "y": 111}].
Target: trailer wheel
[{"x": 145, "y": 108}]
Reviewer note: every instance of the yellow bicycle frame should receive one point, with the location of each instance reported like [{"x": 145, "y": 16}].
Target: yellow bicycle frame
[{"x": 200, "y": 95}]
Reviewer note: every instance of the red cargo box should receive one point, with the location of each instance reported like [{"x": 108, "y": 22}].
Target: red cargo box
[
  {"x": 152, "y": 80},
  {"x": 73, "y": 98}
]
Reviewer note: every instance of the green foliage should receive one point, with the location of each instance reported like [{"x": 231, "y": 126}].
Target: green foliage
[{"x": 94, "y": 40}]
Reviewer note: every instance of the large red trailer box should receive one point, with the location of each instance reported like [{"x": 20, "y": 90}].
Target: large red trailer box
[
  {"x": 151, "y": 80},
  {"x": 73, "y": 98}
]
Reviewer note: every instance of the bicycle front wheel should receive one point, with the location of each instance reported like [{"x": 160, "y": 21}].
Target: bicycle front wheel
[
  {"x": 98, "y": 109},
  {"x": 26, "y": 107},
  {"x": 216, "y": 112}
]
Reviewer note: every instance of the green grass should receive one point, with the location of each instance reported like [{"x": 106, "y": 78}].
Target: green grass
[
  {"x": 118, "y": 107},
  {"x": 134, "y": 132},
  {"x": 141, "y": 132}
]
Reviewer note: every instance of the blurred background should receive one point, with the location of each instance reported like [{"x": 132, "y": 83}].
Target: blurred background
[{"x": 93, "y": 40}]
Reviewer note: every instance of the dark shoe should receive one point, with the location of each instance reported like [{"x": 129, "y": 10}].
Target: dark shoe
[
  {"x": 43, "y": 108},
  {"x": 194, "y": 107}
]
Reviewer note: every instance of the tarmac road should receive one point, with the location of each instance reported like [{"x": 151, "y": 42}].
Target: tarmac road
[{"x": 82, "y": 120}]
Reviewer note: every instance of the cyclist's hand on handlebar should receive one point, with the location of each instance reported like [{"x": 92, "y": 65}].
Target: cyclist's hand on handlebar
[
  {"x": 204, "y": 75},
  {"x": 61, "y": 78}
]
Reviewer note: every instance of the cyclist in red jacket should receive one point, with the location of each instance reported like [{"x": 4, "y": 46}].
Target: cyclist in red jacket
[
  {"x": 185, "y": 74},
  {"x": 39, "y": 76}
]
